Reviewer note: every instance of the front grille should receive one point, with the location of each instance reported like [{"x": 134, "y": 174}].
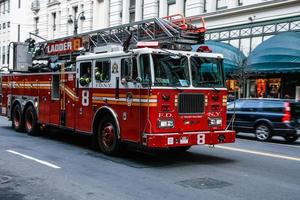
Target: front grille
[{"x": 190, "y": 103}]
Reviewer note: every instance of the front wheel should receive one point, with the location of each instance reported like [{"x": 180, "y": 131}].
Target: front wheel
[
  {"x": 31, "y": 124},
  {"x": 291, "y": 139},
  {"x": 107, "y": 137},
  {"x": 263, "y": 132}
]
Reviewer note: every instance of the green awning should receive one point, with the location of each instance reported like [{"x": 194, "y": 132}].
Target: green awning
[
  {"x": 279, "y": 54},
  {"x": 233, "y": 57}
]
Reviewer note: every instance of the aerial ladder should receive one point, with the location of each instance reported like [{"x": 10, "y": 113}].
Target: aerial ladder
[{"x": 170, "y": 30}]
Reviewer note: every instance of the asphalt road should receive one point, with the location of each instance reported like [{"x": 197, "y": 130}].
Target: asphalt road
[{"x": 63, "y": 167}]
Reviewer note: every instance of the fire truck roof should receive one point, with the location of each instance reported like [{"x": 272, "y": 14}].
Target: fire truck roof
[{"x": 93, "y": 56}]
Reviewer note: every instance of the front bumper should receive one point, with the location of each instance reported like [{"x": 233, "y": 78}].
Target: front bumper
[{"x": 165, "y": 140}]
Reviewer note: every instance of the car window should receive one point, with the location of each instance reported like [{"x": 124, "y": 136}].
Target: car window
[
  {"x": 251, "y": 105},
  {"x": 235, "y": 105},
  {"x": 271, "y": 106}
]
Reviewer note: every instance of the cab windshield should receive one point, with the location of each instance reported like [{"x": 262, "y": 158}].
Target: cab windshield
[
  {"x": 207, "y": 72},
  {"x": 171, "y": 70}
]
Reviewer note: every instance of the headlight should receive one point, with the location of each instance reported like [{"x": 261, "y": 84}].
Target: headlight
[
  {"x": 166, "y": 123},
  {"x": 214, "y": 121}
]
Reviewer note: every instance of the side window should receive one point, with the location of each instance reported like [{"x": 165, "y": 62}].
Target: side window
[
  {"x": 250, "y": 106},
  {"x": 235, "y": 106},
  {"x": 85, "y": 73},
  {"x": 145, "y": 68},
  {"x": 55, "y": 86},
  {"x": 271, "y": 106},
  {"x": 102, "y": 71},
  {"x": 129, "y": 68}
]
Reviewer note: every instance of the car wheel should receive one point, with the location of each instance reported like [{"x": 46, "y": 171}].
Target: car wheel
[
  {"x": 107, "y": 137},
  {"x": 291, "y": 139},
  {"x": 17, "y": 119},
  {"x": 31, "y": 124},
  {"x": 263, "y": 132}
]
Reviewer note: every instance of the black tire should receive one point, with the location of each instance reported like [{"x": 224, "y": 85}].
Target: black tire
[
  {"x": 263, "y": 132},
  {"x": 31, "y": 125},
  {"x": 179, "y": 149},
  {"x": 291, "y": 139},
  {"x": 107, "y": 137},
  {"x": 17, "y": 118}
]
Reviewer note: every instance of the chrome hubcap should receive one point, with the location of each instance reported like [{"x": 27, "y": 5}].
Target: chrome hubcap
[
  {"x": 29, "y": 121},
  {"x": 17, "y": 119},
  {"x": 108, "y": 135},
  {"x": 262, "y": 132}
]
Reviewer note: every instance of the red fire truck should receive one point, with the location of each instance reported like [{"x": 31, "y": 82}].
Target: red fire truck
[{"x": 151, "y": 90}]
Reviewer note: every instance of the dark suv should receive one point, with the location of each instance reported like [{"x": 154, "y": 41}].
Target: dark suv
[{"x": 266, "y": 118}]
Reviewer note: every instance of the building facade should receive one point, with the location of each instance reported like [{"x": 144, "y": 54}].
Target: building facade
[
  {"x": 15, "y": 25},
  {"x": 241, "y": 23}
]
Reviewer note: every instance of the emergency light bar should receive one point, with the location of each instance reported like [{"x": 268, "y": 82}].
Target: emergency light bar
[{"x": 154, "y": 44}]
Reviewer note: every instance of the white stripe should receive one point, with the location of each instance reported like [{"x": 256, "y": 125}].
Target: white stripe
[
  {"x": 34, "y": 159},
  {"x": 260, "y": 153},
  {"x": 125, "y": 100}
]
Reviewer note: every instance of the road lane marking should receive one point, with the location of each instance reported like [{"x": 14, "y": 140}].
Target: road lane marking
[
  {"x": 286, "y": 145},
  {"x": 34, "y": 159},
  {"x": 260, "y": 153}
]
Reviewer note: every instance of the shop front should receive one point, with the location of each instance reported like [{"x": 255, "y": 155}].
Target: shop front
[{"x": 275, "y": 67}]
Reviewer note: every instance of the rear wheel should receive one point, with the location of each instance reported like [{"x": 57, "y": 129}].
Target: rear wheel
[
  {"x": 107, "y": 137},
  {"x": 291, "y": 139},
  {"x": 17, "y": 119},
  {"x": 263, "y": 132},
  {"x": 31, "y": 125}
]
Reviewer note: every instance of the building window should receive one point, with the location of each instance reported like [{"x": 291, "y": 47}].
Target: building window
[
  {"x": 75, "y": 11},
  {"x": 19, "y": 5},
  {"x": 221, "y": 4},
  {"x": 8, "y": 24},
  {"x": 36, "y": 20},
  {"x": 54, "y": 21},
  {"x": 4, "y": 25},
  {"x": 3, "y": 6},
  {"x": 171, "y": 7},
  {"x": 158, "y": 4},
  {"x": 204, "y": 6},
  {"x": 7, "y": 54},
  {"x": 184, "y": 7},
  {"x": 132, "y": 11},
  {"x": 3, "y": 55},
  {"x": 240, "y": 2},
  {"x": 8, "y": 6}
]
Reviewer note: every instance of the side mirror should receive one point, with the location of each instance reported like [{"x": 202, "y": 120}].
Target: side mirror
[
  {"x": 124, "y": 81},
  {"x": 138, "y": 79}
]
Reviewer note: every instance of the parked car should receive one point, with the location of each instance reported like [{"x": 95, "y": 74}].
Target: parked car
[{"x": 265, "y": 118}]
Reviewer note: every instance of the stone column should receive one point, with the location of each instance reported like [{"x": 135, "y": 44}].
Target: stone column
[
  {"x": 125, "y": 12},
  {"x": 138, "y": 10}
]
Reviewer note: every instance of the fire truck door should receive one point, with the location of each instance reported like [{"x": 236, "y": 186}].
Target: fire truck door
[
  {"x": 83, "y": 109},
  {"x": 55, "y": 107},
  {"x": 132, "y": 94},
  {"x": 69, "y": 100}
]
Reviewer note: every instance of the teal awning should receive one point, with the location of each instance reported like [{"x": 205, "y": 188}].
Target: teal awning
[
  {"x": 233, "y": 57},
  {"x": 279, "y": 54}
]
